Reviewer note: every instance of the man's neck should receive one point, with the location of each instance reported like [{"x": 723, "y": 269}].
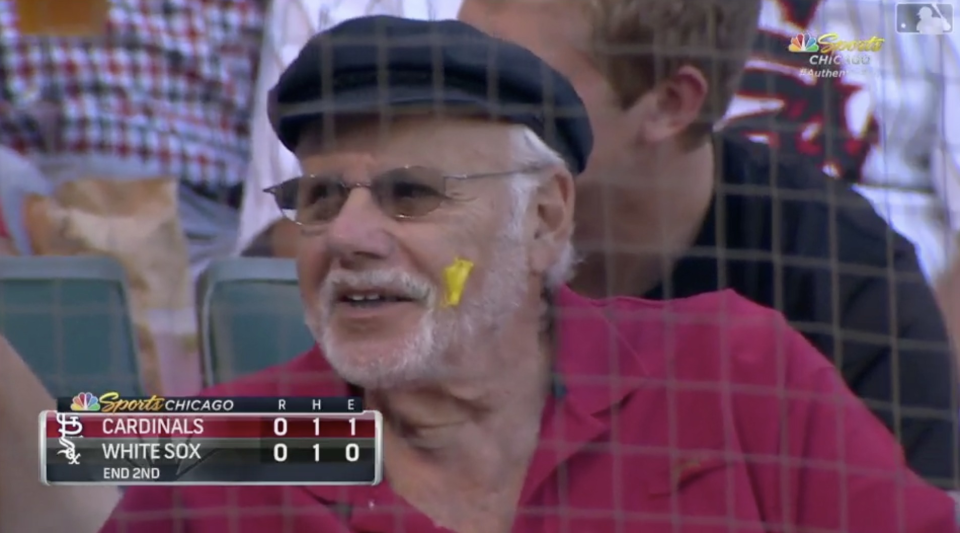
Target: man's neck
[
  {"x": 633, "y": 231},
  {"x": 459, "y": 452}
]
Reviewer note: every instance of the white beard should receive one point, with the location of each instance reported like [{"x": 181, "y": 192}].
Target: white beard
[{"x": 444, "y": 337}]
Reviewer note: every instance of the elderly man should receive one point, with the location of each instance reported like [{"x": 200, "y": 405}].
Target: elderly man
[
  {"x": 289, "y": 25},
  {"x": 436, "y": 218}
]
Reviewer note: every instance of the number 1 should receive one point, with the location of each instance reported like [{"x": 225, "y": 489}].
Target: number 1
[{"x": 316, "y": 427}]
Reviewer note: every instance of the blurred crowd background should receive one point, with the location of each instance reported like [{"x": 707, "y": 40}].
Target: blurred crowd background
[{"x": 136, "y": 130}]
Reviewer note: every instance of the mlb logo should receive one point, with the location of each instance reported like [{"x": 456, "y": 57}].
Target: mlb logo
[{"x": 925, "y": 18}]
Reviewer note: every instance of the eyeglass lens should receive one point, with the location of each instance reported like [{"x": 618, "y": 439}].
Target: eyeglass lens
[{"x": 401, "y": 193}]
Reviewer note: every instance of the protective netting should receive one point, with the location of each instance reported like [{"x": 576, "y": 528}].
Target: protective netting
[{"x": 886, "y": 123}]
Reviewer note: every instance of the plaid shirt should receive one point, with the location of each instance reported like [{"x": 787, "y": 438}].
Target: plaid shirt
[{"x": 169, "y": 84}]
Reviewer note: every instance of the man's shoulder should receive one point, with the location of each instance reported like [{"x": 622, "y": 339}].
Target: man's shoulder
[
  {"x": 305, "y": 375},
  {"x": 813, "y": 208},
  {"x": 697, "y": 338},
  {"x": 214, "y": 509}
]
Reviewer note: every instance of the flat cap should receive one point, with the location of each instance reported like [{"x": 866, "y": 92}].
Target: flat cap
[{"x": 385, "y": 65}]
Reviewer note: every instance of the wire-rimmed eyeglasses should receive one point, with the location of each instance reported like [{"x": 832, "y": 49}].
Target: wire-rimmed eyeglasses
[{"x": 405, "y": 192}]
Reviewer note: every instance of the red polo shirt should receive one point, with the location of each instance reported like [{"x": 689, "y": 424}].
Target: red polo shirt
[{"x": 707, "y": 414}]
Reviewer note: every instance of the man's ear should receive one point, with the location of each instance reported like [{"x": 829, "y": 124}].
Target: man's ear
[
  {"x": 671, "y": 107},
  {"x": 553, "y": 203}
]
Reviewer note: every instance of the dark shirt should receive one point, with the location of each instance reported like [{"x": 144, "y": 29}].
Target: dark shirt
[{"x": 784, "y": 235}]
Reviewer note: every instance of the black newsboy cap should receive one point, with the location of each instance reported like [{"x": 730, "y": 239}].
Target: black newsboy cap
[{"x": 373, "y": 65}]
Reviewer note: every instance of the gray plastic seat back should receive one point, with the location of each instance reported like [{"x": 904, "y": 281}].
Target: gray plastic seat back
[
  {"x": 69, "y": 318},
  {"x": 251, "y": 317}
]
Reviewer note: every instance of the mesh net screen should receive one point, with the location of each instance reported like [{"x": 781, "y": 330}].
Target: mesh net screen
[{"x": 881, "y": 119}]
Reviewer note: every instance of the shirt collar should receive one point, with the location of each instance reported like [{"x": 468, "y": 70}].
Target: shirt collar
[{"x": 597, "y": 366}]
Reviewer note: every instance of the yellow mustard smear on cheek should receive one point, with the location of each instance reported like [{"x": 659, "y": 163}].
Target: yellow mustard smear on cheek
[{"x": 455, "y": 277}]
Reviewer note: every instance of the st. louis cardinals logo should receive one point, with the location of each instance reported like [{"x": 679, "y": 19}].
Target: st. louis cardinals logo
[{"x": 70, "y": 426}]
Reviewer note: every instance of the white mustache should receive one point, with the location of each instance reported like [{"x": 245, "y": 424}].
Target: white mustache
[{"x": 394, "y": 282}]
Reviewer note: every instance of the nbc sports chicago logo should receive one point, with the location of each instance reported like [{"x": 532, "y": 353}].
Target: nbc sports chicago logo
[
  {"x": 85, "y": 401},
  {"x": 833, "y": 55}
]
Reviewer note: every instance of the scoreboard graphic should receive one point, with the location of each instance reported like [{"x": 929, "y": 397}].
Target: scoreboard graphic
[{"x": 210, "y": 441}]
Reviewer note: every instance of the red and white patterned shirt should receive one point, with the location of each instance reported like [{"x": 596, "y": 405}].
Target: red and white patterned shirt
[
  {"x": 777, "y": 104},
  {"x": 169, "y": 84},
  {"x": 891, "y": 130}
]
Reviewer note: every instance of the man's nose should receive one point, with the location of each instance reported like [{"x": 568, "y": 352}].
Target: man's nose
[{"x": 359, "y": 232}]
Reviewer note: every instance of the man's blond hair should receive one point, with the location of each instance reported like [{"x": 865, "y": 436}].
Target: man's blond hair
[{"x": 639, "y": 43}]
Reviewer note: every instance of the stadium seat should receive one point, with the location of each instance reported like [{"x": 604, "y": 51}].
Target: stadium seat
[
  {"x": 251, "y": 317},
  {"x": 68, "y": 317}
]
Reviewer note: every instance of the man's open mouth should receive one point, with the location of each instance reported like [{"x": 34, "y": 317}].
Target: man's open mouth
[{"x": 371, "y": 298}]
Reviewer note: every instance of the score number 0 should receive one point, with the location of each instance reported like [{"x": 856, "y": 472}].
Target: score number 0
[{"x": 280, "y": 449}]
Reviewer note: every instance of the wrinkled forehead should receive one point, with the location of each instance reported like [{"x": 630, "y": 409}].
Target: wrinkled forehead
[{"x": 454, "y": 145}]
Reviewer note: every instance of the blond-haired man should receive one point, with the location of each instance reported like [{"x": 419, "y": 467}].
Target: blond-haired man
[{"x": 667, "y": 209}]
